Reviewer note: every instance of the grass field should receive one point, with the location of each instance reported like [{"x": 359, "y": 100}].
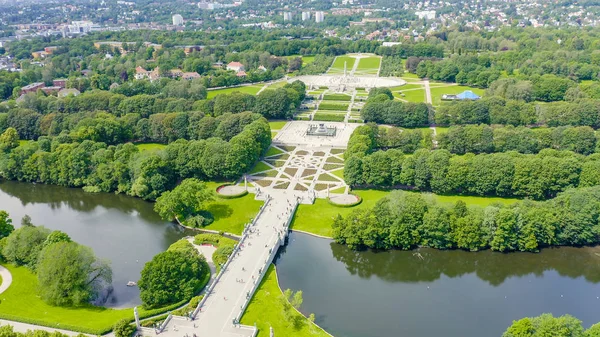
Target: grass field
[
  {"x": 23, "y": 141},
  {"x": 150, "y": 146},
  {"x": 416, "y": 96},
  {"x": 307, "y": 60},
  {"x": 259, "y": 167},
  {"x": 368, "y": 65},
  {"x": 266, "y": 310},
  {"x": 437, "y": 92},
  {"x": 338, "y": 64},
  {"x": 20, "y": 301},
  {"x": 277, "y": 125},
  {"x": 249, "y": 89},
  {"x": 231, "y": 214},
  {"x": 317, "y": 218},
  {"x": 272, "y": 151}
]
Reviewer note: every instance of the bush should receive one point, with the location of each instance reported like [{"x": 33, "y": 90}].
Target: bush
[
  {"x": 333, "y": 106},
  {"x": 213, "y": 239},
  {"x": 123, "y": 328},
  {"x": 221, "y": 255},
  {"x": 337, "y": 97},
  {"x": 329, "y": 117}
]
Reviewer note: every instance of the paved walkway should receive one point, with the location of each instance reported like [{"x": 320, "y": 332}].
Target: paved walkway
[
  {"x": 6, "y": 279},
  {"x": 427, "y": 92},
  {"x": 229, "y": 297}
]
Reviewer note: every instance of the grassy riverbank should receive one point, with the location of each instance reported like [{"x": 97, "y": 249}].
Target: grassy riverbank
[
  {"x": 231, "y": 214},
  {"x": 317, "y": 218},
  {"x": 20, "y": 303},
  {"x": 266, "y": 310}
]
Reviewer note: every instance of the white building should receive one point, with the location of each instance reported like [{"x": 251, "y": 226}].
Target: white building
[
  {"x": 79, "y": 27},
  {"x": 305, "y": 16},
  {"x": 319, "y": 16},
  {"x": 287, "y": 16},
  {"x": 429, "y": 15},
  {"x": 177, "y": 20}
]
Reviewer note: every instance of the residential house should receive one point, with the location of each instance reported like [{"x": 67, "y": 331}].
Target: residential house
[
  {"x": 235, "y": 66},
  {"x": 190, "y": 76},
  {"x": 141, "y": 73},
  {"x": 60, "y": 82},
  {"x": 33, "y": 87}
]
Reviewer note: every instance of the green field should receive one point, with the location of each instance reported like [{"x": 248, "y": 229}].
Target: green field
[
  {"x": 368, "y": 65},
  {"x": 416, "y": 96},
  {"x": 259, "y": 167},
  {"x": 437, "y": 92},
  {"x": 150, "y": 146},
  {"x": 248, "y": 89},
  {"x": 277, "y": 125},
  {"x": 307, "y": 60},
  {"x": 272, "y": 151},
  {"x": 326, "y": 117},
  {"x": 23, "y": 142},
  {"x": 317, "y": 218},
  {"x": 337, "y": 97},
  {"x": 338, "y": 64},
  {"x": 231, "y": 214},
  {"x": 20, "y": 302},
  {"x": 266, "y": 311}
]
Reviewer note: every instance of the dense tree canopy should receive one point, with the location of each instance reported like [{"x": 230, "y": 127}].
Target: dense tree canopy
[
  {"x": 172, "y": 276},
  {"x": 406, "y": 220},
  {"x": 70, "y": 274}
]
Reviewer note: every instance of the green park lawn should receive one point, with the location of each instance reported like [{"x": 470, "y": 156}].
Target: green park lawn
[
  {"x": 266, "y": 310},
  {"x": 437, "y": 92},
  {"x": 259, "y": 167},
  {"x": 307, "y": 60},
  {"x": 317, "y": 218},
  {"x": 20, "y": 302},
  {"x": 368, "y": 65},
  {"x": 338, "y": 64},
  {"x": 23, "y": 142},
  {"x": 273, "y": 151},
  {"x": 150, "y": 146},
  {"x": 248, "y": 89},
  {"x": 231, "y": 214},
  {"x": 277, "y": 125},
  {"x": 416, "y": 96}
]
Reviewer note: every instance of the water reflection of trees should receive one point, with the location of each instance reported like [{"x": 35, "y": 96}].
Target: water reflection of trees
[
  {"x": 74, "y": 198},
  {"x": 493, "y": 267}
]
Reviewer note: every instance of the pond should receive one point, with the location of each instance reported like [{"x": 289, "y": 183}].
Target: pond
[
  {"x": 124, "y": 230},
  {"x": 427, "y": 292}
]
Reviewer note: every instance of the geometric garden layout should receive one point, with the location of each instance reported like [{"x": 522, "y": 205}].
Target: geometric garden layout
[{"x": 301, "y": 168}]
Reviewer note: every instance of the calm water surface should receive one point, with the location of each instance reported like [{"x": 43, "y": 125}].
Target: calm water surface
[
  {"x": 124, "y": 230},
  {"x": 427, "y": 293}
]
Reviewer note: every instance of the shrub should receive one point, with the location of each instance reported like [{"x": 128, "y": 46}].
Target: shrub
[
  {"x": 123, "y": 328},
  {"x": 333, "y": 106}
]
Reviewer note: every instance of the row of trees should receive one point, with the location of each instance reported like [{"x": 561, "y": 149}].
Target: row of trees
[
  {"x": 406, "y": 220},
  {"x": 495, "y": 110},
  {"x": 114, "y": 118},
  {"x": 537, "y": 176},
  {"x": 68, "y": 273},
  {"x": 485, "y": 139},
  {"x": 382, "y": 108},
  {"x": 124, "y": 169}
]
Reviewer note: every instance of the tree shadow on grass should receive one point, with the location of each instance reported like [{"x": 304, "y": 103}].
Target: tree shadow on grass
[{"x": 220, "y": 211}]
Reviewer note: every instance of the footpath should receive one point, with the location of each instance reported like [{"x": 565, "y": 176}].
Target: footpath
[{"x": 219, "y": 313}]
